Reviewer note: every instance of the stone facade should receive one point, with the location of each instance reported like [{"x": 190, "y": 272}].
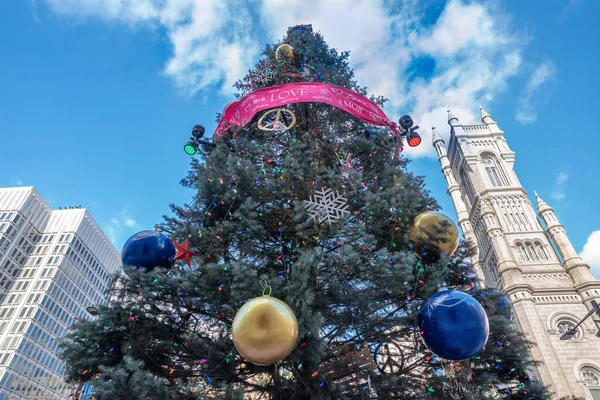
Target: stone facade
[{"x": 530, "y": 260}]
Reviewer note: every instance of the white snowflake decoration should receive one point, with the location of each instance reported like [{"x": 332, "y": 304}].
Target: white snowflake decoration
[
  {"x": 326, "y": 205},
  {"x": 264, "y": 76}
]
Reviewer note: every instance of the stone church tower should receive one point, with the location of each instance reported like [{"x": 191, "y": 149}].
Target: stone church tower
[{"x": 530, "y": 260}]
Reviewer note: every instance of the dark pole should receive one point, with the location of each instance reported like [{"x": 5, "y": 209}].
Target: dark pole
[{"x": 571, "y": 332}]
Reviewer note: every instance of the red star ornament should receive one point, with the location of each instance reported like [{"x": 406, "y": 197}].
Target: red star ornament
[{"x": 183, "y": 252}]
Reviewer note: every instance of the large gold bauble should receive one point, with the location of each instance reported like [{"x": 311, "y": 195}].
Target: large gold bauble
[
  {"x": 433, "y": 232},
  {"x": 264, "y": 330},
  {"x": 284, "y": 51}
]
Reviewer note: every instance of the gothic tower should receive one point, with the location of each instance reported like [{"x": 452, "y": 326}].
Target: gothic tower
[{"x": 530, "y": 260}]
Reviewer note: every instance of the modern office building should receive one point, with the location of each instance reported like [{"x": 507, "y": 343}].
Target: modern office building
[{"x": 53, "y": 265}]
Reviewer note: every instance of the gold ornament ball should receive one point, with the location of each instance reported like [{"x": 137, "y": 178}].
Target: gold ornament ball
[
  {"x": 433, "y": 232},
  {"x": 285, "y": 50},
  {"x": 264, "y": 330}
]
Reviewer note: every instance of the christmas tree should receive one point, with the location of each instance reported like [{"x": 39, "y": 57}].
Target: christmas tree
[{"x": 312, "y": 206}]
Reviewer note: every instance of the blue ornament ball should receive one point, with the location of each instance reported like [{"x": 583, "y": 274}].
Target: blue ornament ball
[
  {"x": 453, "y": 325},
  {"x": 502, "y": 303},
  {"x": 148, "y": 250}
]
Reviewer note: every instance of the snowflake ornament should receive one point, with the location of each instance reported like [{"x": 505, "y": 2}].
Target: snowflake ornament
[
  {"x": 326, "y": 205},
  {"x": 264, "y": 76}
]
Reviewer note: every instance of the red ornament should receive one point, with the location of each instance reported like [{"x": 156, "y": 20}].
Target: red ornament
[{"x": 183, "y": 251}]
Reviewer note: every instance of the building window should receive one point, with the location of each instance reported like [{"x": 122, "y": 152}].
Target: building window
[
  {"x": 493, "y": 171},
  {"x": 590, "y": 376},
  {"x": 521, "y": 252},
  {"x": 530, "y": 252},
  {"x": 541, "y": 251},
  {"x": 464, "y": 178},
  {"x": 591, "y": 379}
]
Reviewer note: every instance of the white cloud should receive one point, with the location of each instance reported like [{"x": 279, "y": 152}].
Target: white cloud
[
  {"x": 472, "y": 48},
  {"x": 570, "y": 5},
  {"x": 471, "y": 45},
  {"x": 211, "y": 39},
  {"x": 525, "y": 109},
  {"x": 591, "y": 253},
  {"x": 17, "y": 182},
  {"x": 558, "y": 193},
  {"x": 34, "y": 10},
  {"x": 118, "y": 225}
]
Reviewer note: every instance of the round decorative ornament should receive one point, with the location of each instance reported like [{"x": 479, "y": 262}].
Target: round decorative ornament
[
  {"x": 264, "y": 330},
  {"x": 284, "y": 51},
  {"x": 276, "y": 120},
  {"x": 453, "y": 325},
  {"x": 433, "y": 233},
  {"x": 501, "y": 303},
  {"x": 148, "y": 250}
]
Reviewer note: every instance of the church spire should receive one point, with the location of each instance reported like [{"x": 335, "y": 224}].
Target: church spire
[
  {"x": 575, "y": 266},
  {"x": 435, "y": 136},
  {"x": 452, "y": 117},
  {"x": 542, "y": 206},
  {"x": 486, "y": 118}
]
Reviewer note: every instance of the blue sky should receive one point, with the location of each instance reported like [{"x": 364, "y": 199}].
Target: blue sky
[{"x": 97, "y": 97}]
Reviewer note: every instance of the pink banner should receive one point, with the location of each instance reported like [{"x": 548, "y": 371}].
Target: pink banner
[{"x": 241, "y": 112}]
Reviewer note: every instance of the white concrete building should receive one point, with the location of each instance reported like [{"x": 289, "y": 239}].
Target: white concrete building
[
  {"x": 53, "y": 264},
  {"x": 530, "y": 260}
]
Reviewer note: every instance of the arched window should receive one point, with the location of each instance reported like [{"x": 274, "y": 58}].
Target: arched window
[
  {"x": 530, "y": 251},
  {"x": 493, "y": 171},
  {"x": 591, "y": 376},
  {"x": 591, "y": 380},
  {"x": 541, "y": 251},
  {"x": 464, "y": 179},
  {"x": 521, "y": 252}
]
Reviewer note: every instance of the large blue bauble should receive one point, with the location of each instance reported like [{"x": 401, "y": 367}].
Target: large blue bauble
[
  {"x": 453, "y": 325},
  {"x": 148, "y": 250}
]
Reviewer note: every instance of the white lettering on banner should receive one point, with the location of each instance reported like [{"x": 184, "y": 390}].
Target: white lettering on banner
[
  {"x": 287, "y": 93},
  {"x": 351, "y": 105},
  {"x": 337, "y": 90},
  {"x": 375, "y": 108},
  {"x": 376, "y": 117},
  {"x": 323, "y": 98}
]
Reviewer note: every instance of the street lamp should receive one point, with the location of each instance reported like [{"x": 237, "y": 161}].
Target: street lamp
[
  {"x": 191, "y": 147},
  {"x": 573, "y": 331},
  {"x": 406, "y": 126}
]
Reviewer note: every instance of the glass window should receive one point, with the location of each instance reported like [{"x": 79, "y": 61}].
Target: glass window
[
  {"x": 493, "y": 171},
  {"x": 540, "y": 251},
  {"x": 530, "y": 252},
  {"x": 591, "y": 379}
]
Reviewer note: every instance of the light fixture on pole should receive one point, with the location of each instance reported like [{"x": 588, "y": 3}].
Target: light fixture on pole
[
  {"x": 573, "y": 331},
  {"x": 190, "y": 148},
  {"x": 413, "y": 138},
  {"x": 407, "y": 128}
]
